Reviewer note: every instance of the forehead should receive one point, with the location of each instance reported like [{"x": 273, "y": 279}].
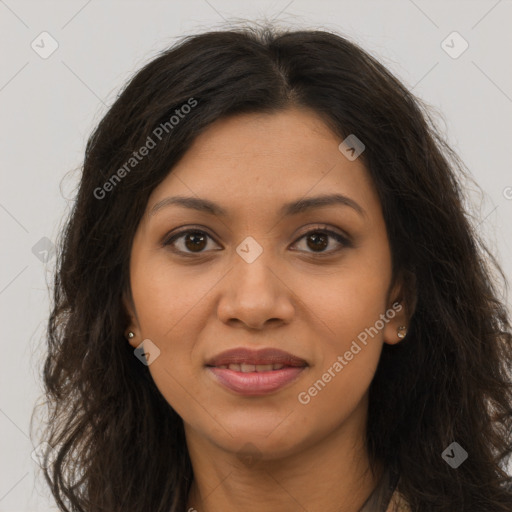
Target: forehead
[{"x": 256, "y": 160}]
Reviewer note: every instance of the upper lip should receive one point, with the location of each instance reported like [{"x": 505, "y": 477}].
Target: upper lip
[{"x": 250, "y": 356}]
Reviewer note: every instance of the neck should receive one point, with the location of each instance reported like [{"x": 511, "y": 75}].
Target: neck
[{"x": 330, "y": 475}]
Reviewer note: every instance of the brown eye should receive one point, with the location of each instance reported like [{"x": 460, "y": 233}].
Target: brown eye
[
  {"x": 195, "y": 241},
  {"x": 318, "y": 240},
  {"x": 191, "y": 241}
]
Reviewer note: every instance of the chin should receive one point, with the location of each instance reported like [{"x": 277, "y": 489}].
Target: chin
[{"x": 266, "y": 440}]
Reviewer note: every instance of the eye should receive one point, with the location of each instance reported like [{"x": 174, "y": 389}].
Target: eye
[
  {"x": 196, "y": 241},
  {"x": 318, "y": 239}
]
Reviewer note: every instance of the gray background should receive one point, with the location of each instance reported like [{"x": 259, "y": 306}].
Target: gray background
[{"x": 50, "y": 106}]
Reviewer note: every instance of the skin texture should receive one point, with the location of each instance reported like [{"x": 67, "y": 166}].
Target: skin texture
[{"x": 290, "y": 297}]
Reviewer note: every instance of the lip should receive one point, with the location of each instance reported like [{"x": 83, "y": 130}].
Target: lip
[
  {"x": 256, "y": 383},
  {"x": 250, "y": 356}
]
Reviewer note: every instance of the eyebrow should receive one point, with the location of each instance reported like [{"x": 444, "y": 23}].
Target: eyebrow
[{"x": 288, "y": 209}]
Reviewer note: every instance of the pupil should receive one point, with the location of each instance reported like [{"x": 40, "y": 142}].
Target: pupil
[
  {"x": 316, "y": 238},
  {"x": 199, "y": 239}
]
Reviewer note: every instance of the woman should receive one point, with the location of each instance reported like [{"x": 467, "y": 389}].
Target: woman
[{"x": 269, "y": 296}]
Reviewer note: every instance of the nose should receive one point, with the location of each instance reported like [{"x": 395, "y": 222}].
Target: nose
[{"x": 254, "y": 295}]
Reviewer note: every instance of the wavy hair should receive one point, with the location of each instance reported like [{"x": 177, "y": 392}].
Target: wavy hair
[{"x": 450, "y": 381}]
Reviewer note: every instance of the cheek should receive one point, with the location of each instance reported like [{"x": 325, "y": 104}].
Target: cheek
[
  {"x": 349, "y": 304},
  {"x": 348, "y": 351},
  {"x": 349, "y": 300},
  {"x": 172, "y": 309},
  {"x": 168, "y": 296},
  {"x": 348, "y": 355}
]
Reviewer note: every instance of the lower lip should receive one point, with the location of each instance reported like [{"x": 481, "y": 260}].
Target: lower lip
[{"x": 256, "y": 383}]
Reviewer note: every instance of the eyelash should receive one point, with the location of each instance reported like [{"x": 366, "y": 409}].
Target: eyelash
[{"x": 343, "y": 240}]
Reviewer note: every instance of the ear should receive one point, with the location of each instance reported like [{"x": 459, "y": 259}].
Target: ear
[
  {"x": 401, "y": 306},
  {"x": 131, "y": 319}
]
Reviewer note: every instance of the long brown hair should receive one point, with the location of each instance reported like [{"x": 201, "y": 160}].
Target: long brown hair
[{"x": 118, "y": 445}]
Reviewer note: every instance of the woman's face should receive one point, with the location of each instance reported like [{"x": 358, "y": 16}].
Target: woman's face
[{"x": 264, "y": 275}]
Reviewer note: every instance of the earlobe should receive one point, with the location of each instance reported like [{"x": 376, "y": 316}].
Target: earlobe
[
  {"x": 403, "y": 296},
  {"x": 130, "y": 336},
  {"x": 132, "y": 329},
  {"x": 402, "y": 332},
  {"x": 396, "y": 328}
]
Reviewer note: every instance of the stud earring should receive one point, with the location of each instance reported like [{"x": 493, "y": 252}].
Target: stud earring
[
  {"x": 401, "y": 332},
  {"x": 131, "y": 335}
]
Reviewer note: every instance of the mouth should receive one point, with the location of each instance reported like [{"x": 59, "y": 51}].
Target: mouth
[
  {"x": 255, "y": 373},
  {"x": 248, "y": 368},
  {"x": 250, "y": 360}
]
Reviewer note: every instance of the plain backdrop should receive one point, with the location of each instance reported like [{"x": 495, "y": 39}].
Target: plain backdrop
[{"x": 50, "y": 104}]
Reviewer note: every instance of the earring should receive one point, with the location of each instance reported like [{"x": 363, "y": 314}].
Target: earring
[
  {"x": 401, "y": 332},
  {"x": 131, "y": 335}
]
